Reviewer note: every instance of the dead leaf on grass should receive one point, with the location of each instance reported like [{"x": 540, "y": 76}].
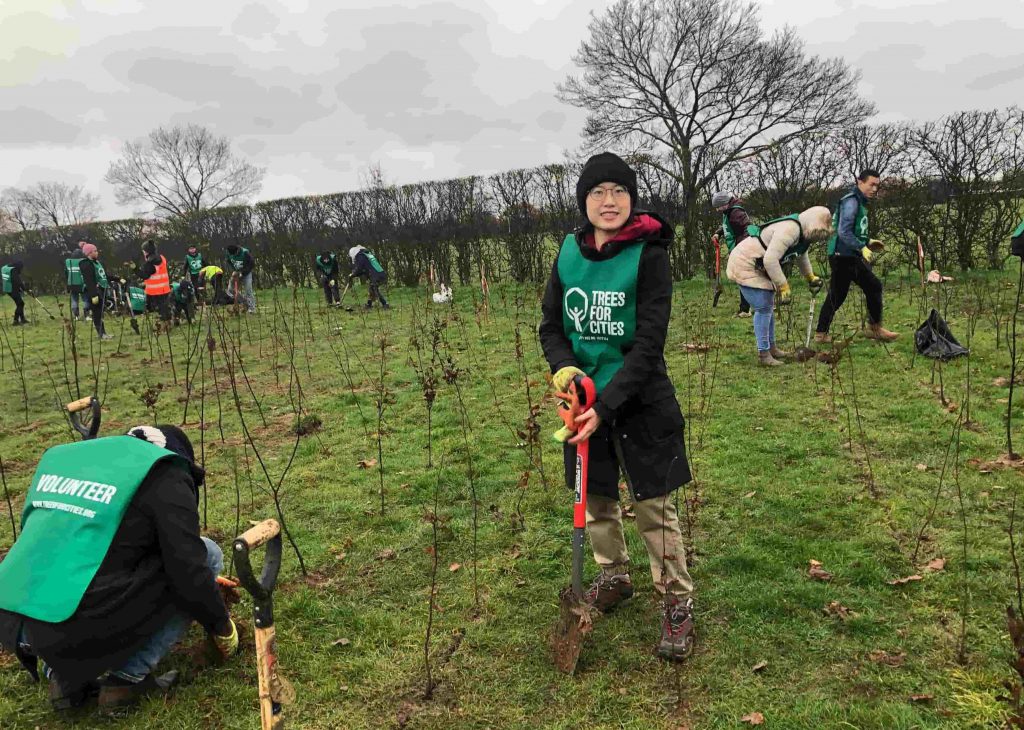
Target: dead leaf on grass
[
  {"x": 748, "y": 495},
  {"x": 366, "y": 463},
  {"x": 759, "y": 667},
  {"x": 881, "y": 656},
  {"x": 922, "y": 698},
  {"x": 453, "y": 567},
  {"x": 835, "y": 608},
  {"x": 921, "y": 467},
  {"x": 904, "y": 581},
  {"x": 341, "y": 642},
  {"x": 754, "y": 718},
  {"x": 386, "y": 554},
  {"x": 816, "y": 572},
  {"x": 936, "y": 564}
]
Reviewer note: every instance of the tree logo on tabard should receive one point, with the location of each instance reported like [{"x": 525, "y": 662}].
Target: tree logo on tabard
[{"x": 575, "y": 304}]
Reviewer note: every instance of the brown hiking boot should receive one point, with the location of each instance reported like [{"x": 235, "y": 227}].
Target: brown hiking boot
[
  {"x": 823, "y": 338},
  {"x": 117, "y": 694},
  {"x": 778, "y": 354},
  {"x": 677, "y": 629},
  {"x": 878, "y": 332},
  {"x": 766, "y": 359},
  {"x": 608, "y": 591}
]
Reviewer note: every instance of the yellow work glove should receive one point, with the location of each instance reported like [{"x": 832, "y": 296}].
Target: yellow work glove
[
  {"x": 815, "y": 283},
  {"x": 563, "y": 434},
  {"x": 785, "y": 295},
  {"x": 867, "y": 254},
  {"x": 332, "y": 282},
  {"x": 95, "y": 301},
  {"x": 564, "y": 376},
  {"x": 226, "y": 646},
  {"x": 123, "y": 282}
]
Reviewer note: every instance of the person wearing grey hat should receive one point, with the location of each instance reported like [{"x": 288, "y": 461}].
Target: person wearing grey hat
[{"x": 733, "y": 230}]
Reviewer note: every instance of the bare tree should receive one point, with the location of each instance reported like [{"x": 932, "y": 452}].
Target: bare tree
[
  {"x": 700, "y": 79},
  {"x": 56, "y": 208},
  {"x": 182, "y": 170}
]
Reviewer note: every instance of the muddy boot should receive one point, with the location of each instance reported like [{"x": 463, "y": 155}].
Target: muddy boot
[
  {"x": 676, "y": 641},
  {"x": 880, "y": 333},
  {"x": 822, "y": 338},
  {"x": 766, "y": 359},
  {"x": 608, "y": 591},
  {"x": 64, "y": 698},
  {"x": 778, "y": 354},
  {"x": 118, "y": 694}
]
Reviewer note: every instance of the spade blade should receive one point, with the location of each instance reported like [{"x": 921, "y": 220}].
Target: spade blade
[{"x": 575, "y": 621}]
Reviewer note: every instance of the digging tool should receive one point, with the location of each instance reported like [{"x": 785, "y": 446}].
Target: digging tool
[
  {"x": 805, "y": 353},
  {"x": 274, "y": 690},
  {"x": 344, "y": 293},
  {"x": 576, "y": 617},
  {"x": 45, "y": 310},
  {"x": 90, "y": 426},
  {"x": 718, "y": 270}
]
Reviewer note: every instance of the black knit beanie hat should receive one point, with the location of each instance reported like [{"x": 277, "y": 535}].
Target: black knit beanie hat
[
  {"x": 605, "y": 167},
  {"x": 173, "y": 439},
  {"x": 149, "y": 247}
]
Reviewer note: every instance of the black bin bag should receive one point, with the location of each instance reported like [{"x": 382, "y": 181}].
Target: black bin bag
[{"x": 933, "y": 339}]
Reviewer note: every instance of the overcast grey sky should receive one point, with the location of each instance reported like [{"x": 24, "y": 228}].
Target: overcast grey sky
[{"x": 317, "y": 91}]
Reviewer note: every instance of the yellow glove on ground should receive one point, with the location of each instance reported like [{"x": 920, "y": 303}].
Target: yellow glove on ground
[
  {"x": 785, "y": 295},
  {"x": 564, "y": 376},
  {"x": 227, "y": 646},
  {"x": 867, "y": 254}
]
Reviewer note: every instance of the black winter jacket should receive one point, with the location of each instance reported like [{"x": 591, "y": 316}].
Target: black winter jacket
[
  {"x": 156, "y": 565},
  {"x": 361, "y": 267},
  {"x": 643, "y": 378},
  {"x": 92, "y": 285}
]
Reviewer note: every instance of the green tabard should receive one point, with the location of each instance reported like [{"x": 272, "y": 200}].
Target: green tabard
[
  {"x": 326, "y": 267},
  {"x": 194, "y": 264},
  {"x": 599, "y": 307},
  {"x": 238, "y": 260},
  {"x": 374, "y": 262},
  {"x": 860, "y": 225},
  {"x": 73, "y": 509},
  {"x": 6, "y": 277},
  {"x": 137, "y": 298},
  {"x": 730, "y": 239},
  {"x": 71, "y": 270}
]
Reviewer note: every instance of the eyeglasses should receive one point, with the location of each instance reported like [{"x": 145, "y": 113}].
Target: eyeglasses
[{"x": 618, "y": 193}]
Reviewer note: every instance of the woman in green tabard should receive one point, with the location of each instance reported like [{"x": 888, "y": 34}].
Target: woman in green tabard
[{"x": 605, "y": 313}]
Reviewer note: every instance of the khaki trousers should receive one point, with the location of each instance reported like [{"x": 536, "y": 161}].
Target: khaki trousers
[{"x": 658, "y": 523}]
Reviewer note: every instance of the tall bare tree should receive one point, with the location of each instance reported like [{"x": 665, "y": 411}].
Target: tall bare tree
[
  {"x": 182, "y": 170},
  {"x": 56, "y": 209},
  {"x": 701, "y": 80}
]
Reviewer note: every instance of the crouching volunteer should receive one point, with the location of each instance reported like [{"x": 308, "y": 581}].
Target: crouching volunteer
[
  {"x": 605, "y": 313},
  {"x": 109, "y": 569},
  {"x": 756, "y": 265}
]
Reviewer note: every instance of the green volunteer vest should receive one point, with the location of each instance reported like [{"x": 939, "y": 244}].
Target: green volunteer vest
[
  {"x": 237, "y": 260},
  {"x": 7, "y": 277},
  {"x": 74, "y": 275},
  {"x": 798, "y": 249},
  {"x": 860, "y": 224},
  {"x": 194, "y": 264},
  {"x": 598, "y": 307},
  {"x": 374, "y": 263},
  {"x": 101, "y": 276},
  {"x": 1018, "y": 231},
  {"x": 137, "y": 298},
  {"x": 730, "y": 239},
  {"x": 326, "y": 268},
  {"x": 78, "y": 497},
  {"x": 179, "y": 293}
]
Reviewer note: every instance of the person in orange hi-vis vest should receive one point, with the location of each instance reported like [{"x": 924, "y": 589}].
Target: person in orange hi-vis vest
[{"x": 157, "y": 281}]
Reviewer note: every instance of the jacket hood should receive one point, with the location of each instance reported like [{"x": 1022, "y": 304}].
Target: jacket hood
[{"x": 644, "y": 226}]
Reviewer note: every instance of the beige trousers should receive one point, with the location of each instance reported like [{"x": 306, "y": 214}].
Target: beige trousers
[{"x": 658, "y": 523}]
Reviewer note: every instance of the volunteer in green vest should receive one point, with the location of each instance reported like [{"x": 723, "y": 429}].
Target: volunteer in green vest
[
  {"x": 13, "y": 286},
  {"x": 733, "y": 230},
  {"x": 756, "y": 265},
  {"x": 1017, "y": 241},
  {"x": 184, "y": 296},
  {"x": 327, "y": 266},
  {"x": 109, "y": 570},
  {"x": 365, "y": 264},
  {"x": 94, "y": 281},
  {"x": 137, "y": 300},
  {"x": 849, "y": 258},
  {"x": 605, "y": 313},
  {"x": 241, "y": 264},
  {"x": 73, "y": 278},
  {"x": 193, "y": 264}
]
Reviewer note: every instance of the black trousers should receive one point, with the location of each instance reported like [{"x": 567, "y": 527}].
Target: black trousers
[
  {"x": 160, "y": 303},
  {"x": 19, "y": 307},
  {"x": 97, "y": 316},
  {"x": 848, "y": 270},
  {"x": 185, "y": 308},
  {"x": 330, "y": 292}
]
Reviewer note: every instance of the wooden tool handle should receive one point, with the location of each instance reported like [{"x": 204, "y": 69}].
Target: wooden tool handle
[
  {"x": 79, "y": 405},
  {"x": 260, "y": 534}
]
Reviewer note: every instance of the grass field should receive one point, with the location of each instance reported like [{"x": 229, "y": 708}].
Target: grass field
[{"x": 808, "y": 462}]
